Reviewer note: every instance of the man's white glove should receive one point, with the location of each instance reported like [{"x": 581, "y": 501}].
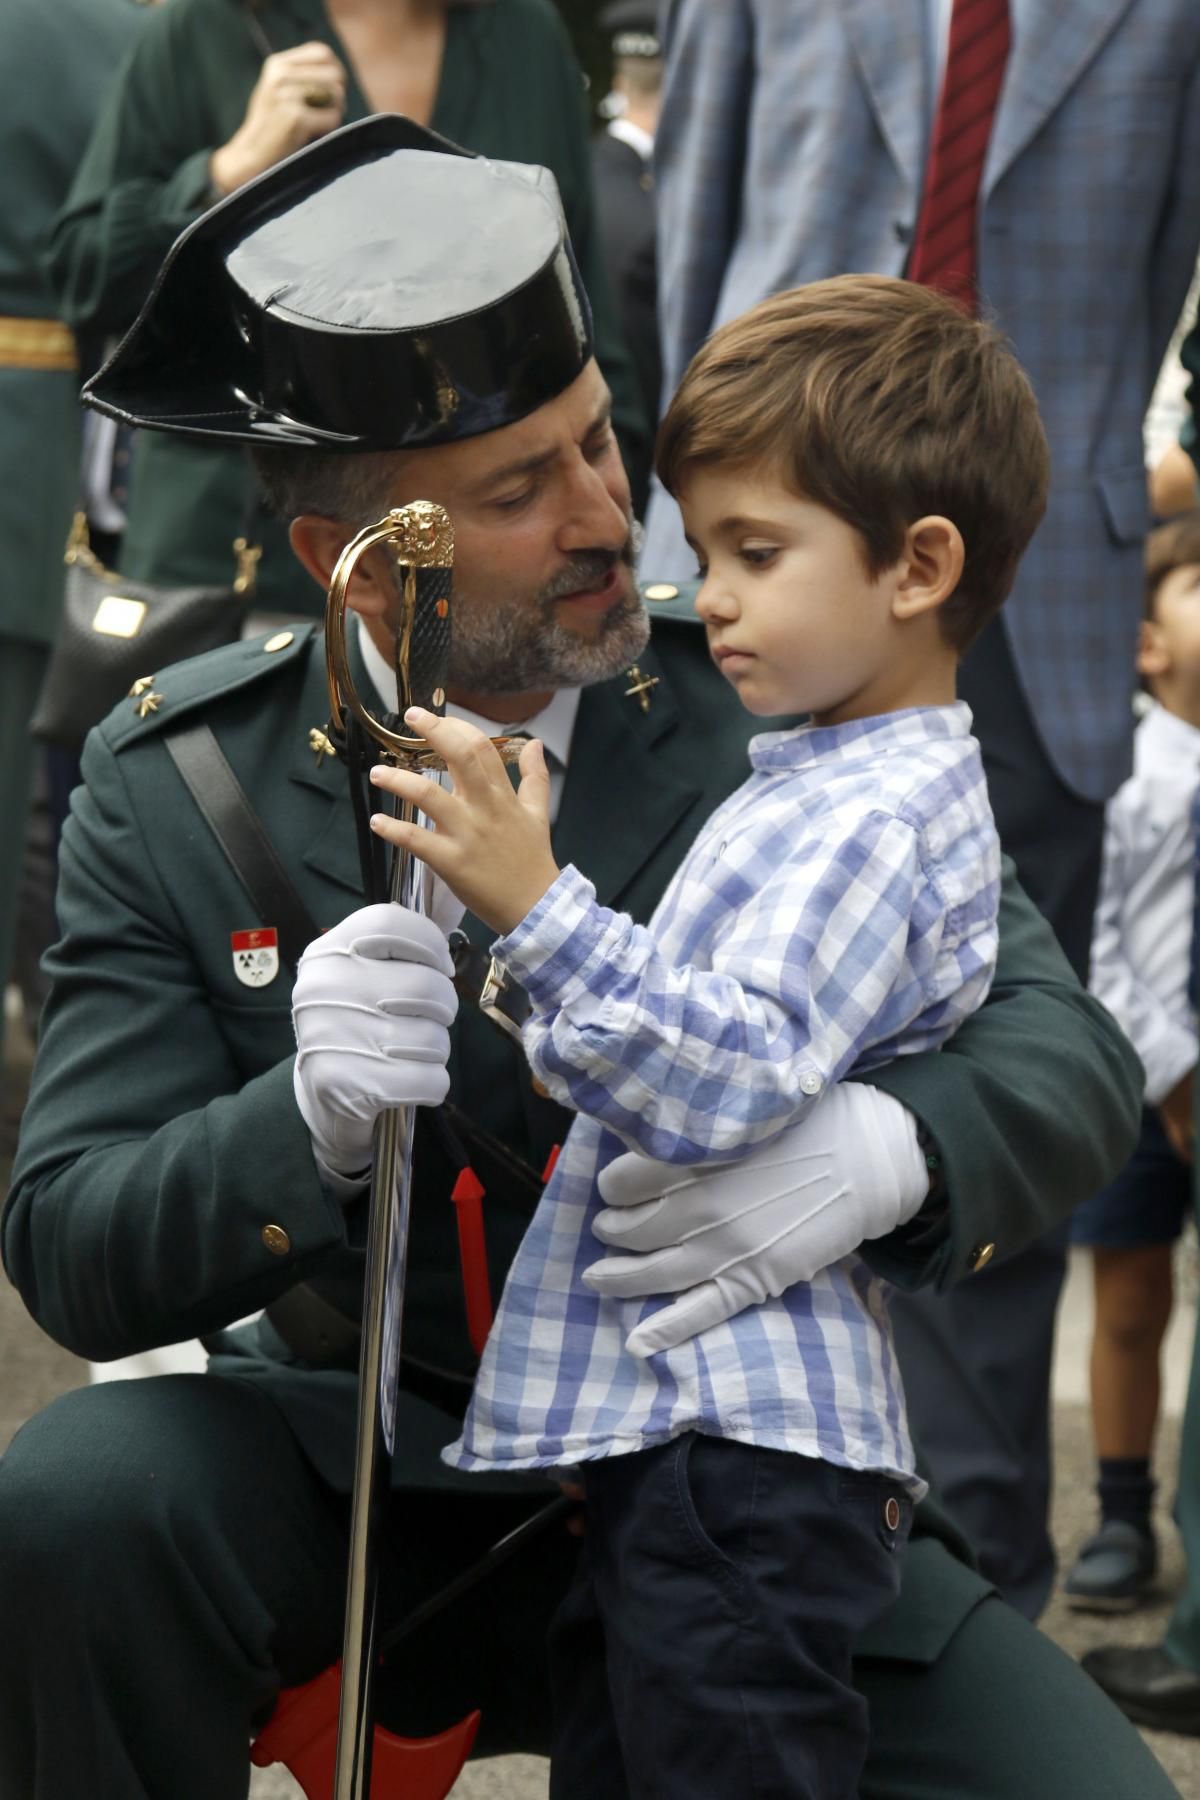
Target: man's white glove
[
  {"x": 725, "y": 1237},
  {"x": 371, "y": 1008}
]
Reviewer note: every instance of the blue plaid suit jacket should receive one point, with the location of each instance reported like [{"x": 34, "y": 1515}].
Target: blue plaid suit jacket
[{"x": 792, "y": 147}]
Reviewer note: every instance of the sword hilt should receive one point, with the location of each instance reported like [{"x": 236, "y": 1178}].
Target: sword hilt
[{"x": 420, "y": 539}]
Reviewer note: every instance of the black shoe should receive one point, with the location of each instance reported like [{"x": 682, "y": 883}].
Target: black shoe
[
  {"x": 1114, "y": 1571},
  {"x": 1149, "y": 1686}
]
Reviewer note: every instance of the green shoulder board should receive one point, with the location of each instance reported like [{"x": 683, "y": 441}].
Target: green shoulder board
[
  {"x": 160, "y": 697},
  {"x": 674, "y": 600}
]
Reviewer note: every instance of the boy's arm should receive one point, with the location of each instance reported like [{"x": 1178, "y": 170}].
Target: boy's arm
[
  {"x": 832, "y": 955},
  {"x": 820, "y": 944}
]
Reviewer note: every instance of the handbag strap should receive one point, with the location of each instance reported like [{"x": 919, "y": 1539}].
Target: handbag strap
[{"x": 240, "y": 832}]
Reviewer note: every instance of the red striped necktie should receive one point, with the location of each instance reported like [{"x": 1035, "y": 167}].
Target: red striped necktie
[{"x": 943, "y": 252}]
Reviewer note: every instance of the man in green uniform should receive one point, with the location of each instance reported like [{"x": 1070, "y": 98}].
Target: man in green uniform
[
  {"x": 57, "y": 62},
  {"x": 172, "y": 1550}
]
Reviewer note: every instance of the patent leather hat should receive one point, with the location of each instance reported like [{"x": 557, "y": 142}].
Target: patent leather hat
[{"x": 382, "y": 289}]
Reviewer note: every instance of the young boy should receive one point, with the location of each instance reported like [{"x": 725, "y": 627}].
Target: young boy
[
  {"x": 1141, "y": 955},
  {"x": 860, "y": 467}
]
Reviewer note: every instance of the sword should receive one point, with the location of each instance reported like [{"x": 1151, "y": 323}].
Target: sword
[{"x": 422, "y": 542}]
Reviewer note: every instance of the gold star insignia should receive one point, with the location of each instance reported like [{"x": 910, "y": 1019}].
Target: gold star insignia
[
  {"x": 140, "y": 685},
  {"x": 320, "y": 744},
  {"x": 149, "y": 703},
  {"x": 643, "y": 687}
]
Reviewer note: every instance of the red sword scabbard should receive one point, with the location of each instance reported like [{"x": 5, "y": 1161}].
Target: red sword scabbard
[{"x": 302, "y": 1734}]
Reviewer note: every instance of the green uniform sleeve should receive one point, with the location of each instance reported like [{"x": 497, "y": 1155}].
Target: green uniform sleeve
[
  {"x": 121, "y": 1231},
  {"x": 1034, "y": 1104},
  {"x": 144, "y": 175}
]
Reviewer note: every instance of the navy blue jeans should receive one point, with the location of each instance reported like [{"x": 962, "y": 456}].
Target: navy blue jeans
[{"x": 704, "y": 1648}]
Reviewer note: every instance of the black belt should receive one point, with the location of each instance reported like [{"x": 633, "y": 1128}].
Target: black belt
[{"x": 320, "y": 1333}]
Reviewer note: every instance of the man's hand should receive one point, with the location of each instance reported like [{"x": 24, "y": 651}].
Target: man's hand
[
  {"x": 300, "y": 95},
  {"x": 372, "y": 1007},
  {"x": 724, "y": 1238},
  {"x": 1177, "y": 1112},
  {"x": 490, "y": 846}
]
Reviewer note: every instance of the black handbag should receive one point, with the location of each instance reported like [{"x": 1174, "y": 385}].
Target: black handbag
[{"x": 114, "y": 631}]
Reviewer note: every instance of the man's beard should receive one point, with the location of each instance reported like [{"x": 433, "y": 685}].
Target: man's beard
[{"x": 518, "y": 646}]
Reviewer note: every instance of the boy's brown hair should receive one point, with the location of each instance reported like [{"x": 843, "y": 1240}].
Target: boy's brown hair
[
  {"x": 1174, "y": 545},
  {"x": 881, "y": 401}
]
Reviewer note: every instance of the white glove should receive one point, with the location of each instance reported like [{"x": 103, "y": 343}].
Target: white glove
[
  {"x": 371, "y": 1009},
  {"x": 725, "y": 1237}
]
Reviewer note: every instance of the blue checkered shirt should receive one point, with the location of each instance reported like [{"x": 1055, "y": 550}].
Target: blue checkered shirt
[{"x": 838, "y": 910}]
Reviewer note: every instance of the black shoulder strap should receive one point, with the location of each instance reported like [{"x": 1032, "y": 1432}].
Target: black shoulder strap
[{"x": 239, "y": 831}]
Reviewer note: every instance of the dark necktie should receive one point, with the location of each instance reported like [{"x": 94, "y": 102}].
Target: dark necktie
[{"x": 943, "y": 253}]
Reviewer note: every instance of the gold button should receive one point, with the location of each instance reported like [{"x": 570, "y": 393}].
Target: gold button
[
  {"x": 276, "y": 1239},
  {"x": 662, "y": 590},
  {"x": 891, "y": 1513},
  {"x": 981, "y": 1256},
  {"x": 280, "y": 641}
]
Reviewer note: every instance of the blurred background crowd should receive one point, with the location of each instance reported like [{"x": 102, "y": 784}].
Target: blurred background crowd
[{"x": 708, "y": 154}]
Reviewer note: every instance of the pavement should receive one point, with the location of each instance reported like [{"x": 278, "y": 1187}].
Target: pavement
[{"x": 36, "y": 1370}]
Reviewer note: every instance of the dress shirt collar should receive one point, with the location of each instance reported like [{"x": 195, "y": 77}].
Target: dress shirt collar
[
  {"x": 1166, "y": 740},
  {"x": 636, "y": 136},
  {"x": 859, "y": 740},
  {"x": 554, "y": 725}
]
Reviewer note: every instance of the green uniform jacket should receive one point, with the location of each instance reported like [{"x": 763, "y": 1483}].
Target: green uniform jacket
[
  {"x": 57, "y": 61},
  {"x": 510, "y": 88},
  {"x": 162, "y": 1139}
]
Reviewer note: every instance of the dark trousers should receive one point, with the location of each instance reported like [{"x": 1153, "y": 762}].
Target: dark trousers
[
  {"x": 977, "y": 1360},
  {"x": 168, "y": 1556},
  {"x": 706, "y": 1644}
]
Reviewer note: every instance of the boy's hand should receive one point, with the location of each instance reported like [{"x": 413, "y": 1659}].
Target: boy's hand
[
  {"x": 1178, "y": 1118},
  {"x": 491, "y": 846}
]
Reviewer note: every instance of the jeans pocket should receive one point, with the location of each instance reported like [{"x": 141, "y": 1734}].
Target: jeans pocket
[{"x": 702, "y": 1511}]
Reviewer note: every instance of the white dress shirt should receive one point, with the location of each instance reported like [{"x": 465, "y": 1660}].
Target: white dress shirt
[{"x": 1141, "y": 950}]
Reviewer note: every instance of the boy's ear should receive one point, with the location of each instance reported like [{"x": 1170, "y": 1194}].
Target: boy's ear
[
  {"x": 317, "y": 543},
  {"x": 929, "y": 567},
  {"x": 1153, "y": 657}
]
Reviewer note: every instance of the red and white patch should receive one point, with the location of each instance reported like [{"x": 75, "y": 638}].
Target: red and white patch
[{"x": 255, "y": 955}]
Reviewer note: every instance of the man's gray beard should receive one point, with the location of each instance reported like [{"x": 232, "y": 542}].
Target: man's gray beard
[{"x": 519, "y": 647}]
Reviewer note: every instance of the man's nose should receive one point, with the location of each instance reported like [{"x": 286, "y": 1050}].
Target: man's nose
[{"x": 598, "y": 513}]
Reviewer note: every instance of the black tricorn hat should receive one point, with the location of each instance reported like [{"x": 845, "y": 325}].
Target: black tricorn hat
[{"x": 380, "y": 290}]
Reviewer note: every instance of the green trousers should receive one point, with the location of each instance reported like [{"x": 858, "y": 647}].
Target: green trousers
[
  {"x": 168, "y": 1557},
  {"x": 22, "y": 666}
]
